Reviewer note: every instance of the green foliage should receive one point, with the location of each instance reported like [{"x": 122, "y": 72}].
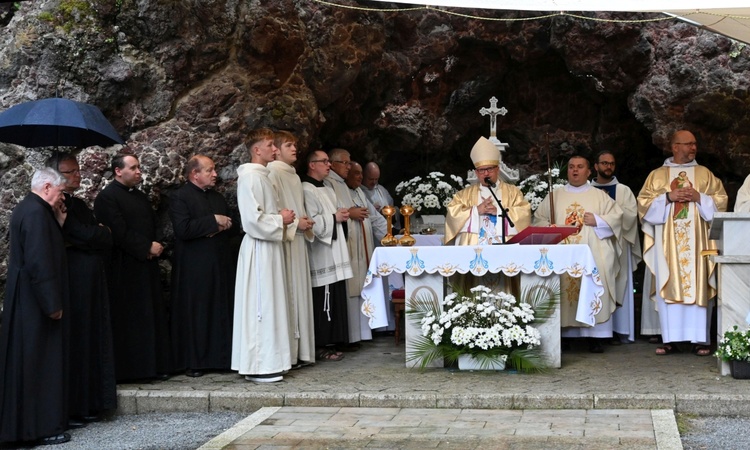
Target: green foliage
[
  {"x": 467, "y": 310},
  {"x": 734, "y": 345}
]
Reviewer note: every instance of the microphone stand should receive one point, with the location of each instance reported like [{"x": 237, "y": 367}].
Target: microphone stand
[{"x": 503, "y": 212}]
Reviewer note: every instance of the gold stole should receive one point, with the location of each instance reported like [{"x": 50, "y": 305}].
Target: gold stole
[{"x": 680, "y": 229}]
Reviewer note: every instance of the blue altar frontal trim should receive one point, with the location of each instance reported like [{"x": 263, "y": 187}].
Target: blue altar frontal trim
[{"x": 511, "y": 260}]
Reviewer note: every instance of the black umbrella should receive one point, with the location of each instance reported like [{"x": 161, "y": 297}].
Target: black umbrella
[{"x": 56, "y": 122}]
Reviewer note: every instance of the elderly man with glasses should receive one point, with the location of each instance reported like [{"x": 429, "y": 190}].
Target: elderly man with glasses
[
  {"x": 676, "y": 205},
  {"x": 474, "y": 217}
]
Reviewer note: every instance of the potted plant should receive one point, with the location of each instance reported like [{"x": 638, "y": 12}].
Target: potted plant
[
  {"x": 734, "y": 348},
  {"x": 486, "y": 329}
]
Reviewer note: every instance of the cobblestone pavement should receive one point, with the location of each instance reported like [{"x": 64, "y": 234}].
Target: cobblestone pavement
[{"x": 413, "y": 428}]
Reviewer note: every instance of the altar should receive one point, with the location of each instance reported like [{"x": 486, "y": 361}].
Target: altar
[{"x": 426, "y": 267}]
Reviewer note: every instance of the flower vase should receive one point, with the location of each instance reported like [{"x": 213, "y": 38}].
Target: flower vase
[
  {"x": 469, "y": 362},
  {"x": 741, "y": 370}
]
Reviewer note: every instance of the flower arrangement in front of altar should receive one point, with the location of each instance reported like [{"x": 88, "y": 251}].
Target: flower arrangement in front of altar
[
  {"x": 489, "y": 326},
  {"x": 431, "y": 194},
  {"x": 536, "y": 187}
]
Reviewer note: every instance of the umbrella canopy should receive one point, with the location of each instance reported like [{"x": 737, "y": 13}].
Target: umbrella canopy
[{"x": 56, "y": 122}]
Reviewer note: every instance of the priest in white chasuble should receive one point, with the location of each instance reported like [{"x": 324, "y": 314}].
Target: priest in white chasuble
[
  {"x": 599, "y": 221},
  {"x": 473, "y": 216},
  {"x": 676, "y": 205}
]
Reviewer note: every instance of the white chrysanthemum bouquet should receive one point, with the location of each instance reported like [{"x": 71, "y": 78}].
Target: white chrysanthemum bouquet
[
  {"x": 536, "y": 186},
  {"x": 484, "y": 324},
  {"x": 431, "y": 194}
]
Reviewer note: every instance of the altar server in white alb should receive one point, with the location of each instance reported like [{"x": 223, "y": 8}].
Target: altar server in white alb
[
  {"x": 260, "y": 341},
  {"x": 473, "y": 216},
  {"x": 676, "y": 205},
  {"x": 630, "y": 245},
  {"x": 329, "y": 259},
  {"x": 299, "y": 289},
  {"x": 599, "y": 221}
]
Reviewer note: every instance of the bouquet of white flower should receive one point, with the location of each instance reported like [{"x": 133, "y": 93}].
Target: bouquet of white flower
[
  {"x": 536, "y": 186},
  {"x": 429, "y": 195},
  {"x": 487, "y": 325}
]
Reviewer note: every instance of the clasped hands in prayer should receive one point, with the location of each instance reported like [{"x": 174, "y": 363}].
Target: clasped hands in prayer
[
  {"x": 487, "y": 207},
  {"x": 684, "y": 195}
]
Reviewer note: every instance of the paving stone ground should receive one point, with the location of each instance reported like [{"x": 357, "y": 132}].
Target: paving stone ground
[{"x": 624, "y": 398}]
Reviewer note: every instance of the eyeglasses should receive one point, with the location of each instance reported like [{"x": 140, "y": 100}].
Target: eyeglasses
[
  {"x": 324, "y": 161},
  {"x": 689, "y": 144},
  {"x": 346, "y": 163},
  {"x": 68, "y": 172},
  {"x": 606, "y": 163},
  {"x": 486, "y": 169}
]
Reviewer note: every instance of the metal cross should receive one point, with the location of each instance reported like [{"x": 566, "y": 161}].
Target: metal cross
[{"x": 493, "y": 111}]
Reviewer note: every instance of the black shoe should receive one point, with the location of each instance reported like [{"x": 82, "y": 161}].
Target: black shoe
[
  {"x": 91, "y": 418},
  {"x": 161, "y": 376},
  {"x": 194, "y": 373},
  {"x": 54, "y": 440},
  {"x": 75, "y": 423},
  {"x": 596, "y": 347}
]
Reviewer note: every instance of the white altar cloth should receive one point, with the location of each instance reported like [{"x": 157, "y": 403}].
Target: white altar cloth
[{"x": 542, "y": 260}]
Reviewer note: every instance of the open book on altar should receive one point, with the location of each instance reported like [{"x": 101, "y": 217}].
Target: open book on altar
[{"x": 542, "y": 235}]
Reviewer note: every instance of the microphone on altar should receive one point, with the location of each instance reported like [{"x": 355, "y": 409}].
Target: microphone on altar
[{"x": 503, "y": 212}]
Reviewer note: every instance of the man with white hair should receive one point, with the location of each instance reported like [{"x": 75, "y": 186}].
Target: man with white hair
[{"x": 34, "y": 335}]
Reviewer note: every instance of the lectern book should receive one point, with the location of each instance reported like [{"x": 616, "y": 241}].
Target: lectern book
[{"x": 542, "y": 235}]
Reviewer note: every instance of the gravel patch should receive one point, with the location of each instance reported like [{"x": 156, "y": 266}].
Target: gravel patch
[
  {"x": 715, "y": 433},
  {"x": 172, "y": 431}
]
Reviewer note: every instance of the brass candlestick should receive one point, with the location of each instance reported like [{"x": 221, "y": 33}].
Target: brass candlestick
[
  {"x": 407, "y": 240},
  {"x": 388, "y": 240}
]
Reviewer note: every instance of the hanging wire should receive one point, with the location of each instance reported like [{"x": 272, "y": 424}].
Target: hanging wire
[{"x": 526, "y": 19}]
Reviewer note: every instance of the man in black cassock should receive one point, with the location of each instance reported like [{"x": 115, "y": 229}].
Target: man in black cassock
[
  {"x": 34, "y": 331},
  {"x": 92, "y": 366},
  {"x": 203, "y": 272},
  {"x": 139, "y": 315}
]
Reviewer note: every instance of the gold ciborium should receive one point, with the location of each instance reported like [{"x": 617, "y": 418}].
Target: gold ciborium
[
  {"x": 407, "y": 240},
  {"x": 388, "y": 240}
]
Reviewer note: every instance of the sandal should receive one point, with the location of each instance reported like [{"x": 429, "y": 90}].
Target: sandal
[
  {"x": 654, "y": 339},
  {"x": 702, "y": 350},
  {"x": 325, "y": 354},
  {"x": 667, "y": 349}
]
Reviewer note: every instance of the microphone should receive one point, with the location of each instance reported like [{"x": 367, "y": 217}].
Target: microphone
[{"x": 489, "y": 182}]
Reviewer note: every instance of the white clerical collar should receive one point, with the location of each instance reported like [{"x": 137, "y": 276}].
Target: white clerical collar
[
  {"x": 670, "y": 162},
  {"x": 578, "y": 189},
  {"x": 611, "y": 182}
]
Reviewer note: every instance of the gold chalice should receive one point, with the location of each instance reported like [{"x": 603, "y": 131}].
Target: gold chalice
[{"x": 407, "y": 240}]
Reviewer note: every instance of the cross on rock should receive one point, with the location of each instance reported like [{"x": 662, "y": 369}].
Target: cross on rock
[{"x": 493, "y": 112}]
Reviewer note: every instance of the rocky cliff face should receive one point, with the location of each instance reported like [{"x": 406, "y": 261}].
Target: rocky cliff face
[{"x": 401, "y": 88}]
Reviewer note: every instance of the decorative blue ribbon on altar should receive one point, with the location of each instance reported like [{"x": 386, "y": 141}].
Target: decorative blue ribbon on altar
[
  {"x": 478, "y": 261},
  {"x": 414, "y": 262},
  {"x": 542, "y": 262}
]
